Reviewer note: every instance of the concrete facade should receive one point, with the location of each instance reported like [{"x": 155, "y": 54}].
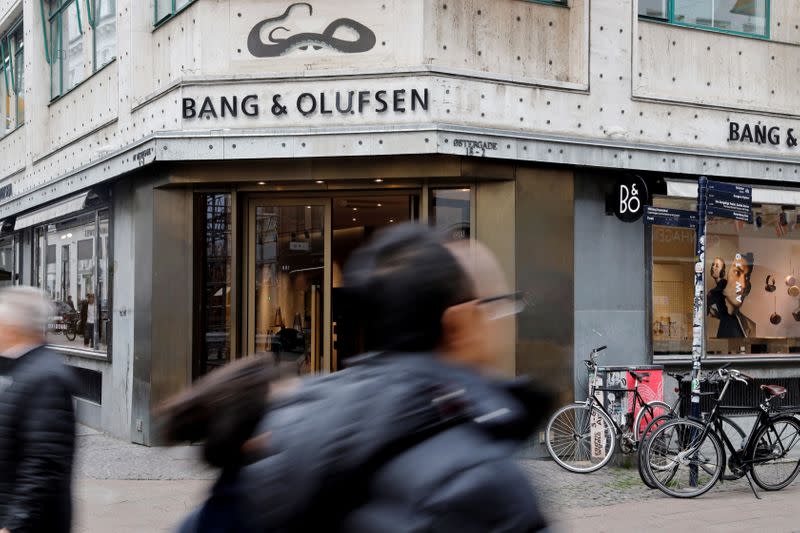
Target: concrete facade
[{"x": 553, "y": 100}]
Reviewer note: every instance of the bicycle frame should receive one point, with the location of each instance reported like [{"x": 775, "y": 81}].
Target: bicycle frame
[{"x": 765, "y": 418}]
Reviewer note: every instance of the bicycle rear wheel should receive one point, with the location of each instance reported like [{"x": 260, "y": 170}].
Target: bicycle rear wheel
[
  {"x": 776, "y": 455},
  {"x": 581, "y": 438},
  {"x": 649, "y": 412},
  {"x": 681, "y": 462}
]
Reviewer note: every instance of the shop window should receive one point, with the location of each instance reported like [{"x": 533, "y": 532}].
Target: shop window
[
  {"x": 82, "y": 39},
  {"x": 166, "y": 9},
  {"x": 215, "y": 247},
  {"x": 71, "y": 262},
  {"x": 742, "y": 17},
  {"x": 7, "y": 256},
  {"x": 12, "y": 82},
  {"x": 450, "y": 212},
  {"x": 752, "y": 284}
]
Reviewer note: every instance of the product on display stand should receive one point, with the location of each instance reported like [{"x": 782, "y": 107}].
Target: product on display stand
[
  {"x": 770, "y": 283},
  {"x": 775, "y": 318}
]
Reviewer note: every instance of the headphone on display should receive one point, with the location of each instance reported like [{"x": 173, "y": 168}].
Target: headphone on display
[{"x": 770, "y": 283}]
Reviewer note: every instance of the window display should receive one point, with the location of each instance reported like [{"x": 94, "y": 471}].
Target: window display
[
  {"x": 71, "y": 261},
  {"x": 751, "y": 283}
]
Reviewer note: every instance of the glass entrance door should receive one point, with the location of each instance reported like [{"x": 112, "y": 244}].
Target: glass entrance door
[{"x": 288, "y": 276}]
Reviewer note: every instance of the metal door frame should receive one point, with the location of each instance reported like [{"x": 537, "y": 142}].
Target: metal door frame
[{"x": 248, "y": 325}]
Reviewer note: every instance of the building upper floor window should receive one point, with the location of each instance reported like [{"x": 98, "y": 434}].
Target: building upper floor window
[
  {"x": 166, "y": 9},
  {"x": 12, "y": 83},
  {"x": 82, "y": 39},
  {"x": 742, "y": 17}
]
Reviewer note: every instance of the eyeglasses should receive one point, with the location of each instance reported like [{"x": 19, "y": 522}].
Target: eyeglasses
[{"x": 503, "y": 305}]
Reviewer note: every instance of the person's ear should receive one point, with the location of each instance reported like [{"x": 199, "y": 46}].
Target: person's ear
[{"x": 458, "y": 325}]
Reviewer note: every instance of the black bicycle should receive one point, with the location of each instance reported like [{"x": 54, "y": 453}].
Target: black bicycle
[
  {"x": 685, "y": 457},
  {"x": 731, "y": 428},
  {"x": 582, "y": 437}
]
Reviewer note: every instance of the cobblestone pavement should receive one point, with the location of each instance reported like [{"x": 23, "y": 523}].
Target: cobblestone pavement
[{"x": 561, "y": 490}]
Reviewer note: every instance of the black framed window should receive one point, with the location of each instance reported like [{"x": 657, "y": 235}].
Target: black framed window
[
  {"x": 215, "y": 248},
  {"x": 451, "y": 211},
  {"x": 71, "y": 262}
]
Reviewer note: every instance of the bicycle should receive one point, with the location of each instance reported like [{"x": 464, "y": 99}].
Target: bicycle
[
  {"x": 686, "y": 457},
  {"x": 676, "y": 411},
  {"x": 582, "y": 437}
]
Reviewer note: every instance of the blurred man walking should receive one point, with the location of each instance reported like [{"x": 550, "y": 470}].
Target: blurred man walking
[
  {"x": 419, "y": 434},
  {"x": 37, "y": 422}
]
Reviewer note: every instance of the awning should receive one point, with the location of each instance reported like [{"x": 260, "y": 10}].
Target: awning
[
  {"x": 51, "y": 212},
  {"x": 761, "y": 195}
]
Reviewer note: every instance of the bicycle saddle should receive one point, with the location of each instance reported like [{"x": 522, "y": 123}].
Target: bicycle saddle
[
  {"x": 774, "y": 390},
  {"x": 639, "y": 376}
]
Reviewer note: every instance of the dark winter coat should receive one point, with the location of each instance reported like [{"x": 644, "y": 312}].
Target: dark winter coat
[
  {"x": 399, "y": 443},
  {"x": 37, "y": 443}
]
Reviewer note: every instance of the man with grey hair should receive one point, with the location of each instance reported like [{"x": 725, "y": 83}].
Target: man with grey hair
[{"x": 37, "y": 420}]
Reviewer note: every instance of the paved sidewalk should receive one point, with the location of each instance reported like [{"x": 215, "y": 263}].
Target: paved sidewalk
[{"x": 122, "y": 487}]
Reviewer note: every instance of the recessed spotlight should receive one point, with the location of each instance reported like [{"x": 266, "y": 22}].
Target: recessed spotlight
[
  {"x": 378, "y": 180},
  {"x": 380, "y": 205},
  {"x": 320, "y": 182},
  {"x": 355, "y": 209},
  {"x": 354, "y": 220},
  {"x": 308, "y": 207},
  {"x": 391, "y": 220},
  {"x": 464, "y": 190},
  {"x": 262, "y": 183}
]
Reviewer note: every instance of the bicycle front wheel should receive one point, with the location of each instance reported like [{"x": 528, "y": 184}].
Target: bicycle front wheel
[
  {"x": 680, "y": 461},
  {"x": 649, "y": 430},
  {"x": 776, "y": 454},
  {"x": 581, "y": 438}
]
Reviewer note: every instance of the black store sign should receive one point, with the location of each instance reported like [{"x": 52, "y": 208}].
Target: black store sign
[{"x": 630, "y": 198}]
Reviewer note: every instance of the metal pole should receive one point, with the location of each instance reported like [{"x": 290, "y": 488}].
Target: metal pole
[{"x": 698, "y": 323}]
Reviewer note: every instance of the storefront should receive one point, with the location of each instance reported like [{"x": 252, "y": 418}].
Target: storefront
[{"x": 752, "y": 292}]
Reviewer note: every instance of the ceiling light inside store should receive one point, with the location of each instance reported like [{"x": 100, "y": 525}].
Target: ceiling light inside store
[
  {"x": 308, "y": 207},
  {"x": 354, "y": 220},
  {"x": 355, "y": 209},
  {"x": 261, "y": 183},
  {"x": 378, "y": 180},
  {"x": 320, "y": 182},
  {"x": 380, "y": 205},
  {"x": 464, "y": 190},
  {"x": 391, "y": 220}
]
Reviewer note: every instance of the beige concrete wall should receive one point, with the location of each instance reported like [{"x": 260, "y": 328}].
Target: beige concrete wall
[
  {"x": 715, "y": 69},
  {"x": 592, "y": 92},
  {"x": 530, "y": 42}
]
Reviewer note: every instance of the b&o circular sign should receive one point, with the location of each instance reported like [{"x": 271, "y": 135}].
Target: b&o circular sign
[{"x": 630, "y": 197}]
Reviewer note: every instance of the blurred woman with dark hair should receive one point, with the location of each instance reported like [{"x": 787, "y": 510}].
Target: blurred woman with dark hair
[{"x": 222, "y": 410}]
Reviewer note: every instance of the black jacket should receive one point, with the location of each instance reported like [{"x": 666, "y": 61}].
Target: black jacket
[
  {"x": 399, "y": 443},
  {"x": 37, "y": 443}
]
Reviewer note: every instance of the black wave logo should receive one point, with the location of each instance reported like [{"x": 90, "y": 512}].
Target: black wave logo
[{"x": 278, "y": 46}]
